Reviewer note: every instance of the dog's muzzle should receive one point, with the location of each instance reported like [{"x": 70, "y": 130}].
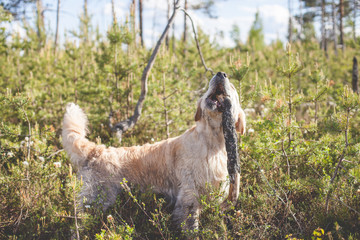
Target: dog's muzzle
[{"x": 216, "y": 98}]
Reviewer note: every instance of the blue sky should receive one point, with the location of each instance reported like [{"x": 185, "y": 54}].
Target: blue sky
[{"x": 274, "y": 14}]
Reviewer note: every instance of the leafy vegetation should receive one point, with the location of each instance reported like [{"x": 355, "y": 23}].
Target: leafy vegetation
[{"x": 300, "y": 166}]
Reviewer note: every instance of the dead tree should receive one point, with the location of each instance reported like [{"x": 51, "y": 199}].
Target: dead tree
[
  {"x": 334, "y": 27},
  {"x": 141, "y": 22},
  {"x": 322, "y": 24},
  {"x": 341, "y": 25},
  {"x": 121, "y": 127},
  {"x": 355, "y": 76},
  {"x": 197, "y": 43}
]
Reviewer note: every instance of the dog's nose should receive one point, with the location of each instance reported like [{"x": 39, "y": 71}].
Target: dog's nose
[{"x": 221, "y": 75}]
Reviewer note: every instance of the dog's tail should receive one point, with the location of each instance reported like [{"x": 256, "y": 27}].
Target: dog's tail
[{"x": 74, "y": 134}]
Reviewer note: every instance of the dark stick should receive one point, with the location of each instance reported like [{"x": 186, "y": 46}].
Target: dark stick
[{"x": 231, "y": 141}]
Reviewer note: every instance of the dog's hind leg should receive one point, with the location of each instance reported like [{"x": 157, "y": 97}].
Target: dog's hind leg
[
  {"x": 187, "y": 209},
  {"x": 98, "y": 190}
]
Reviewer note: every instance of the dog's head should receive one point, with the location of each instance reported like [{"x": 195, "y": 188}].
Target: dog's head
[{"x": 210, "y": 105}]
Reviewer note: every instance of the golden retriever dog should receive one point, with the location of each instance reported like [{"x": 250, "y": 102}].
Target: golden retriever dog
[{"x": 179, "y": 167}]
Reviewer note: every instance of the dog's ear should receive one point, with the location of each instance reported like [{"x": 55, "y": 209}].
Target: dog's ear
[
  {"x": 198, "y": 113},
  {"x": 240, "y": 124}
]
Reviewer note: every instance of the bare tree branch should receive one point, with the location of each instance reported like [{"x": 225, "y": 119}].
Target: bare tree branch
[
  {"x": 123, "y": 126},
  {"x": 197, "y": 42}
]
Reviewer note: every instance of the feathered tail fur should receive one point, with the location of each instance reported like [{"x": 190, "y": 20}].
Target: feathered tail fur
[{"x": 74, "y": 133}]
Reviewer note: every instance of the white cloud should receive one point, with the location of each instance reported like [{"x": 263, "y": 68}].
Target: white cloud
[
  {"x": 119, "y": 10},
  {"x": 14, "y": 28},
  {"x": 274, "y": 12},
  {"x": 249, "y": 10},
  {"x": 275, "y": 20},
  {"x": 160, "y": 5}
]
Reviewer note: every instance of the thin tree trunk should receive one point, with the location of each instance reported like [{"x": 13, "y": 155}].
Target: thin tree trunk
[
  {"x": 86, "y": 21},
  {"x": 123, "y": 126},
  {"x": 173, "y": 34},
  {"x": 326, "y": 45},
  {"x": 113, "y": 12},
  {"x": 334, "y": 27},
  {"x": 355, "y": 76},
  {"x": 115, "y": 54},
  {"x": 132, "y": 17},
  {"x": 290, "y": 23},
  {"x": 141, "y": 22},
  {"x": 57, "y": 25},
  {"x": 173, "y": 44},
  {"x": 322, "y": 24},
  {"x": 185, "y": 23},
  {"x": 301, "y": 20},
  {"x": 185, "y": 27},
  {"x": 168, "y": 16},
  {"x": 341, "y": 25},
  {"x": 354, "y": 24}
]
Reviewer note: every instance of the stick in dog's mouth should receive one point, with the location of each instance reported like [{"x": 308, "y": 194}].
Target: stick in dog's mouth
[{"x": 231, "y": 143}]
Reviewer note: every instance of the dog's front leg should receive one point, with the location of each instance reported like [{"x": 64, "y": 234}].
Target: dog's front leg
[
  {"x": 233, "y": 195},
  {"x": 187, "y": 209}
]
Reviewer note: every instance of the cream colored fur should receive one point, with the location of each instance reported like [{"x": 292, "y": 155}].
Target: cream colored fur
[{"x": 179, "y": 167}]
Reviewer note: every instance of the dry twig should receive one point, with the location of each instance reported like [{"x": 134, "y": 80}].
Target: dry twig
[
  {"x": 121, "y": 127},
  {"x": 197, "y": 42}
]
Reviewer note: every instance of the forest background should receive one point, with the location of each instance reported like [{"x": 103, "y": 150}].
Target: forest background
[{"x": 299, "y": 159}]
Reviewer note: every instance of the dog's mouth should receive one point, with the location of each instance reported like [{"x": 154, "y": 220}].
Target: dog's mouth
[{"x": 216, "y": 99}]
